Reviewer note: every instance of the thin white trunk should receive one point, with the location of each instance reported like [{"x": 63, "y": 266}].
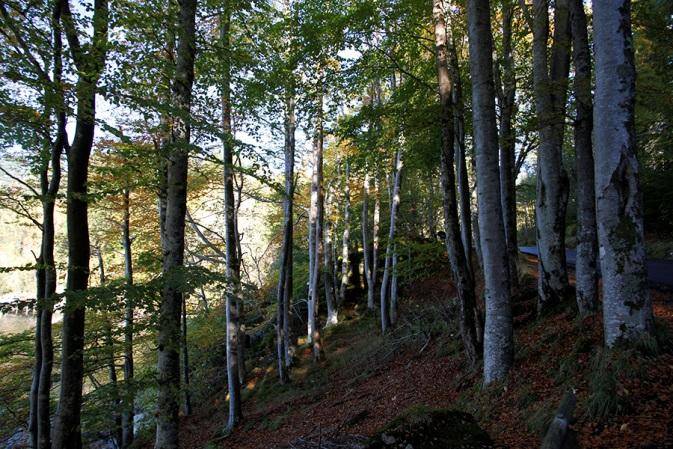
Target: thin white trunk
[
  {"x": 394, "y": 203},
  {"x": 345, "y": 261}
]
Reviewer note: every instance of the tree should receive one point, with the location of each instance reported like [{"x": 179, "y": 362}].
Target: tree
[
  {"x": 550, "y": 84},
  {"x": 232, "y": 260},
  {"x": 586, "y": 275},
  {"x": 173, "y": 240},
  {"x": 89, "y": 61},
  {"x": 498, "y": 332},
  {"x": 627, "y": 310},
  {"x": 454, "y": 244}
]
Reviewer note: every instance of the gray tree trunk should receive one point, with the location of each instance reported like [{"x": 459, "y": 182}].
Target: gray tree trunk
[
  {"x": 498, "y": 333},
  {"x": 366, "y": 251},
  {"x": 550, "y": 85},
  {"x": 462, "y": 275},
  {"x": 345, "y": 242},
  {"x": 506, "y": 92},
  {"x": 187, "y": 406},
  {"x": 458, "y": 108},
  {"x": 330, "y": 299},
  {"x": 315, "y": 233},
  {"x": 168, "y": 367},
  {"x": 586, "y": 276},
  {"x": 627, "y": 309},
  {"x": 232, "y": 260},
  {"x": 394, "y": 204},
  {"x": 67, "y": 430},
  {"x": 284, "y": 291},
  {"x": 128, "y": 409}
]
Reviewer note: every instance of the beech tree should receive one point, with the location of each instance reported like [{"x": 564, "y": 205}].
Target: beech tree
[
  {"x": 89, "y": 61},
  {"x": 173, "y": 239},
  {"x": 627, "y": 308},
  {"x": 498, "y": 332}
]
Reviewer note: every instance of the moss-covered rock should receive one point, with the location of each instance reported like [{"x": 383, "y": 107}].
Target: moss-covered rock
[{"x": 426, "y": 428}]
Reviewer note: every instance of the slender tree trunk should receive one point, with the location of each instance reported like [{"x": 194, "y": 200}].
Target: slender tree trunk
[
  {"x": 185, "y": 360},
  {"x": 115, "y": 403},
  {"x": 231, "y": 244},
  {"x": 315, "y": 234},
  {"x": 506, "y": 90},
  {"x": 37, "y": 366},
  {"x": 458, "y": 110},
  {"x": 431, "y": 212},
  {"x": 552, "y": 183},
  {"x": 394, "y": 204},
  {"x": 67, "y": 429},
  {"x": 457, "y": 255},
  {"x": 585, "y": 267},
  {"x": 345, "y": 243},
  {"x": 376, "y": 225},
  {"x": 498, "y": 333},
  {"x": 284, "y": 291},
  {"x": 50, "y": 188},
  {"x": 627, "y": 308},
  {"x": 393, "y": 288},
  {"x": 128, "y": 412},
  {"x": 330, "y": 299},
  {"x": 367, "y": 253},
  {"x": 167, "y": 434}
]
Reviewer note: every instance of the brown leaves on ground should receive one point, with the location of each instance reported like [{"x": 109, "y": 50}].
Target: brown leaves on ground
[{"x": 553, "y": 354}]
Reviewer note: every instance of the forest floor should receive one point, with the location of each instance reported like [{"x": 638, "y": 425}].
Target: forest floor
[{"x": 365, "y": 380}]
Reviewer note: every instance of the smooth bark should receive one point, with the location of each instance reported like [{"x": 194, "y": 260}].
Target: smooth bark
[
  {"x": 627, "y": 308},
  {"x": 498, "y": 332},
  {"x": 462, "y": 275},
  {"x": 128, "y": 408},
  {"x": 394, "y": 205},
  {"x": 177, "y": 151},
  {"x": 89, "y": 60},
  {"x": 586, "y": 276},
  {"x": 550, "y": 85},
  {"x": 345, "y": 242}
]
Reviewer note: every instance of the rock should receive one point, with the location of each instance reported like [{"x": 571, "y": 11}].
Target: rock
[
  {"x": 423, "y": 427},
  {"x": 20, "y": 439}
]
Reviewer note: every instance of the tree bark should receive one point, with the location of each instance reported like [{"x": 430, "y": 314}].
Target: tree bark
[
  {"x": 345, "y": 242},
  {"x": 462, "y": 275},
  {"x": 330, "y": 299},
  {"x": 185, "y": 360},
  {"x": 627, "y": 308},
  {"x": 586, "y": 284},
  {"x": 167, "y": 434},
  {"x": 128, "y": 410},
  {"x": 367, "y": 253},
  {"x": 498, "y": 333},
  {"x": 284, "y": 291},
  {"x": 550, "y": 84},
  {"x": 394, "y": 204},
  {"x": 232, "y": 262},
  {"x": 315, "y": 233},
  {"x": 458, "y": 111},
  {"x": 506, "y": 92},
  {"x": 90, "y": 64}
]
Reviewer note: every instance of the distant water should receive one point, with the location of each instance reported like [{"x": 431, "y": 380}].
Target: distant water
[{"x": 11, "y": 323}]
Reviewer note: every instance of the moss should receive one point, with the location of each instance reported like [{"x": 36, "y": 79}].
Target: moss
[{"x": 423, "y": 427}]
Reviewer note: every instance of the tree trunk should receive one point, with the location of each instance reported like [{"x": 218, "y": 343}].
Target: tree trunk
[
  {"x": 394, "y": 204},
  {"x": 552, "y": 182},
  {"x": 67, "y": 430},
  {"x": 458, "y": 110},
  {"x": 586, "y": 276},
  {"x": 231, "y": 245},
  {"x": 498, "y": 333},
  {"x": 185, "y": 359},
  {"x": 284, "y": 291},
  {"x": 366, "y": 250},
  {"x": 167, "y": 434},
  {"x": 315, "y": 234},
  {"x": 506, "y": 95},
  {"x": 454, "y": 244},
  {"x": 37, "y": 366},
  {"x": 345, "y": 262},
  {"x": 128, "y": 412},
  {"x": 330, "y": 299},
  {"x": 627, "y": 309},
  {"x": 110, "y": 361}
]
